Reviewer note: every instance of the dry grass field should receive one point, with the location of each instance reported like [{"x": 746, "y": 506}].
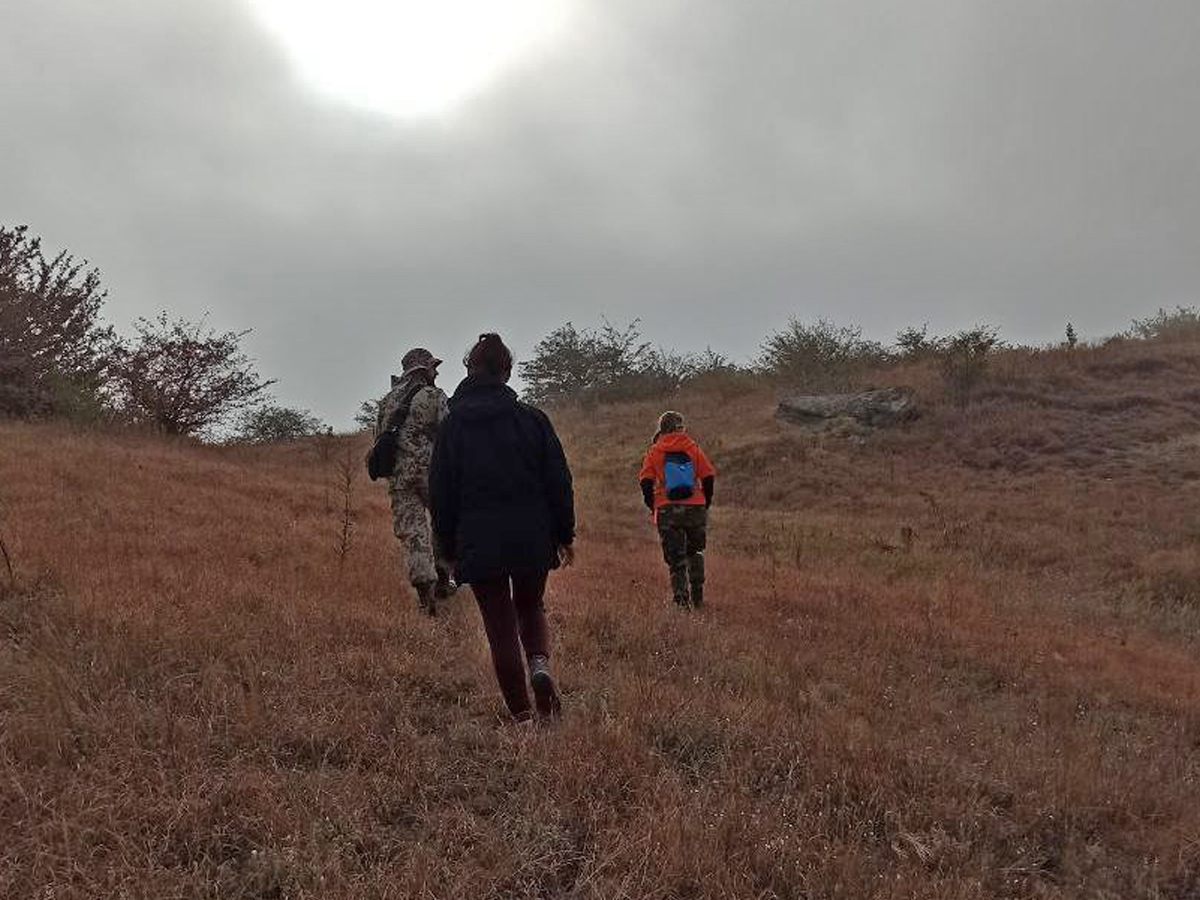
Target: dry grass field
[{"x": 957, "y": 660}]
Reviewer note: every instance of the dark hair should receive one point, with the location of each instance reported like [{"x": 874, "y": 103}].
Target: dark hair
[{"x": 489, "y": 356}]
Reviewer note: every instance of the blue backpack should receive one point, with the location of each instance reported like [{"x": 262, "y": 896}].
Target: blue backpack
[{"x": 679, "y": 476}]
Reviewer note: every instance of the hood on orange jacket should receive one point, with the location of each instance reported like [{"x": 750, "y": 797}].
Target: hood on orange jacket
[{"x": 653, "y": 467}]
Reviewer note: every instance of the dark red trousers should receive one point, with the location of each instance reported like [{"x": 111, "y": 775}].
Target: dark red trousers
[{"x": 514, "y": 618}]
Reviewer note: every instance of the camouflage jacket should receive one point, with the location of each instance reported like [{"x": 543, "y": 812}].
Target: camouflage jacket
[{"x": 417, "y": 433}]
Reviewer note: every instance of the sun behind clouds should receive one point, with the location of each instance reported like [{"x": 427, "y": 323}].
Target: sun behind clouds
[{"x": 409, "y": 58}]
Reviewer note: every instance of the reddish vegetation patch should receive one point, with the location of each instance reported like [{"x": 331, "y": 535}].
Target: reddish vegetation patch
[{"x": 957, "y": 660}]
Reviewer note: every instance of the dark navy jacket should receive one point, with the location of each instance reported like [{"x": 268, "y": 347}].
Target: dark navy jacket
[{"x": 500, "y": 488}]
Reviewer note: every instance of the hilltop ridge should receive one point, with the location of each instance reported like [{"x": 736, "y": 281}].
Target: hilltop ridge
[{"x": 956, "y": 659}]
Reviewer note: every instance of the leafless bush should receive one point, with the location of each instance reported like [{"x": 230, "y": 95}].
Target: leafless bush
[{"x": 183, "y": 377}]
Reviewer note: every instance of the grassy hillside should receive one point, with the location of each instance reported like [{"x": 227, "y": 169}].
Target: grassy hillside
[{"x": 957, "y": 660}]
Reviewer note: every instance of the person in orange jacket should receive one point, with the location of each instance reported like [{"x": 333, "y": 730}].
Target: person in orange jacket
[{"x": 677, "y": 485}]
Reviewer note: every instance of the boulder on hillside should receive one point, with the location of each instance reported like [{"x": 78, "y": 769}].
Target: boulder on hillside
[{"x": 875, "y": 409}]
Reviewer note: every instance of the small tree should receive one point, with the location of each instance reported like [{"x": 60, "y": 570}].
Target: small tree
[
  {"x": 184, "y": 378},
  {"x": 915, "y": 343},
  {"x": 367, "y": 415},
  {"x": 273, "y": 424},
  {"x": 53, "y": 349},
  {"x": 617, "y": 354},
  {"x": 1072, "y": 337},
  {"x": 560, "y": 367},
  {"x": 613, "y": 364},
  {"x": 965, "y": 357},
  {"x": 822, "y": 354},
  {"x": 574, "y": 364}
]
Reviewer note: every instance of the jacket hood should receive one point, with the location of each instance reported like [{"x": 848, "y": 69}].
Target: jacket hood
[
  {"x": 480, "y": 397},
  {"x": 675, "y": 442}
]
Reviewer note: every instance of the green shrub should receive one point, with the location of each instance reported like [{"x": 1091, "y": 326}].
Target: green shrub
[
  {"x": 272, "y": 424},
  {"x": 613, "y": 364},
  {"x": 820, "y": 355},
  {"x": 965, "y": 358},
  {"x": 1179, "y": 324}
]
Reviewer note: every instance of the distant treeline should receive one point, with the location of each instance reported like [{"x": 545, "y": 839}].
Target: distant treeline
[
  {"x": 612, "y": 363},
  {"x": 59, "y": 359}
]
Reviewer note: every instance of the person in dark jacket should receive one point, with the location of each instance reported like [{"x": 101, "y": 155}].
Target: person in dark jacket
[{"x": 504, "y": 514}]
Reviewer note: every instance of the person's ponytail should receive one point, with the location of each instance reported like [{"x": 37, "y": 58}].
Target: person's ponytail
[{"x": 489, "y": 356}]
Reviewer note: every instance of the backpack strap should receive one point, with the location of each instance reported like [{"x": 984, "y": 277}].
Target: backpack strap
[{"x": 400, "y": 413}]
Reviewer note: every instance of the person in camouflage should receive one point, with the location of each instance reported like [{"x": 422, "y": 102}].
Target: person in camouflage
[
  {"x": 681, "y": 514},
  {"x": 419, "y": 406}
]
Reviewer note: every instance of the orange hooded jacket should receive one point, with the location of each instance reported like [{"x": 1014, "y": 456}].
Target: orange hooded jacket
[{"x": 654, "y": 464}]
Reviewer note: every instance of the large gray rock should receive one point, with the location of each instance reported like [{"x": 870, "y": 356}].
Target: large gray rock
[{"x": 876, "y": 409}]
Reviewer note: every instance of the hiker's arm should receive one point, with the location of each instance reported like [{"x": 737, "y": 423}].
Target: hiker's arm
[
  {"x": 441, "y": 409},
  {"x": 427, "y": 409},
  {"x": 647, "y": 485},
  {"x": 560, "y": 491},
  {"x": 707, "y": 473},
  {"x": 646, "y": 479}
]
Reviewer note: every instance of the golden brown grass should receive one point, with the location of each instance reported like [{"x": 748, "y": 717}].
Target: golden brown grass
[{"x": 954, "y": 661}]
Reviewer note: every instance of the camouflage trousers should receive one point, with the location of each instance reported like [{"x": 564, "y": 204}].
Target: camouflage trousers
[
  {"x": 410, "y": 522},
  {"x": 684, "y": 534}
]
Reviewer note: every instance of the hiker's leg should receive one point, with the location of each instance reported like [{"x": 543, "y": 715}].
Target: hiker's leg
[
  {"x": 445, "y": 585},
  {"x": 411, "y": 524},
  {"x": 697, "y": 539},
  {"x": 674, "y": 545},
  {"x": 500, "y": 623},
  {"x": 528, "y": 591}
]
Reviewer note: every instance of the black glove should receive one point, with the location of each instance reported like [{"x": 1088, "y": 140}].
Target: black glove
[{"x": 648, "y": 493}]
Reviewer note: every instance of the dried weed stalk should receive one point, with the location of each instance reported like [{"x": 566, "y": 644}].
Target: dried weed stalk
[
  {"x": 8, "y": 564},
  {"x": 7, "y": 559},
  {"x": 347, "y": 471}
]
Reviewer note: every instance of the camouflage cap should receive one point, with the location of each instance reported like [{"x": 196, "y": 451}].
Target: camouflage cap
[
  {"x": 419, "y": 358},
  {"x": 669, "y": 422}
]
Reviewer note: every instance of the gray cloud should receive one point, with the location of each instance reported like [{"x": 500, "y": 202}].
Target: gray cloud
[{"x": 711, "y": 167}]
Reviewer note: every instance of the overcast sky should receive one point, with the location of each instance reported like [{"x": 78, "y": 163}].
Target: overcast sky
[{"x": 710, "y": 166}]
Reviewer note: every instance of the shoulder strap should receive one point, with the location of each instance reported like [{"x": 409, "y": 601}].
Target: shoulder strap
[{"x": 401, "y": 412}]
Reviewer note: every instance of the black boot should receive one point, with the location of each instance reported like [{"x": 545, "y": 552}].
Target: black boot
[
  {"x": 446, "y": 586},
  {"x": 544, "y": 693},
  {"x": 679, "y": 588},
  {"x": 697, "y": 595},
  {"x": 426, "y": 598}
]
